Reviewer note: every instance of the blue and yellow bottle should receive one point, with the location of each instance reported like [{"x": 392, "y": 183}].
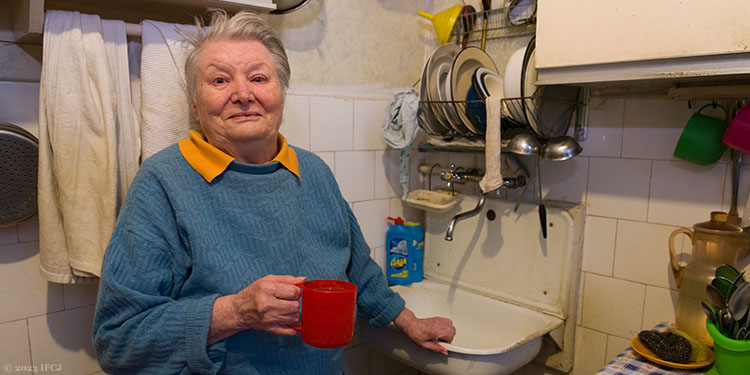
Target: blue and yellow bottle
[
  {"x": 417, "y": 249},
  {"x": 398, "y": 242}
]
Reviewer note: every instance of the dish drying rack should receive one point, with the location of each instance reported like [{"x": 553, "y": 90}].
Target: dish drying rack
[
  {"x": 498, "y": 25},
  {"x": 523, "y": 107}
]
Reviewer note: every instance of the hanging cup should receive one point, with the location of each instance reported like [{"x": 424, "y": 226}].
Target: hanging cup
[
  {"x": 737, "y": 135},
  {"x": 700, "y": 142}
]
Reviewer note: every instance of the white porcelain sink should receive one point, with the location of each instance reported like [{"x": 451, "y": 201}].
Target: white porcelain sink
[
  {"x": 503, "y": 284},
  {"x": 492, "y": 337}
]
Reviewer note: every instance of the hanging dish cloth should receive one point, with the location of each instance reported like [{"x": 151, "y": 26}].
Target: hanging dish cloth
[
  {"x": 165, "y": 103},
  {"x": 400, "y": 128},
  {"x": 493, "y": 178},
  {"x": 88, "y": 142}
]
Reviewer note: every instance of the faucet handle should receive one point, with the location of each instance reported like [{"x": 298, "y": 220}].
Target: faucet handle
[{"x": 449, "y": 175}]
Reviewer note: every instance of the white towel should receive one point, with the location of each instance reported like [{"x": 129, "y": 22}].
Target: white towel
[
  {"x": 82, "y": 117},
  {"x": 165, "y": 104},
  {"x": 493, "y": 178}
]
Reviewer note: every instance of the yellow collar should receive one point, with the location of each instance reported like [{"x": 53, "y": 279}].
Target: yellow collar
[{"x": 210, "y": 162}]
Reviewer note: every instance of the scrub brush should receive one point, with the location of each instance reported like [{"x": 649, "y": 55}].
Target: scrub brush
[{"x": 668, "y": 346}]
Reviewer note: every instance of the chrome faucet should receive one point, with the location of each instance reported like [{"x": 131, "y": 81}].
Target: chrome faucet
[{"x": 464, "y": 215}]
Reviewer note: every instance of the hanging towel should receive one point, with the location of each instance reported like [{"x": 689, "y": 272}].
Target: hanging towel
[
  {"x": 400, "y": 128},
  {"x": 493, "y": 178},
  {"x": 88, "y": 143},
  {"x": 165, "y": 104}
]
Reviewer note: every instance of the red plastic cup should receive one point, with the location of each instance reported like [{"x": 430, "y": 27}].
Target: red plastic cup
[{"x": 328, "y": 312}]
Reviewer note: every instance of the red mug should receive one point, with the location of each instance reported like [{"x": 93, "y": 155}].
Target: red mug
[{"x": 328, "y": 309}]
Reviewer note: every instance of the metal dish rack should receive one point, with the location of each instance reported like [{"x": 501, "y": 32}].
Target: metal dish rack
[
  {"x": 498, "y": 25},
  {"x": 517, "y": 115}
]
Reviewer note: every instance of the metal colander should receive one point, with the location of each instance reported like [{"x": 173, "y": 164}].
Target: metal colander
[{"x": 19, "y": 156}]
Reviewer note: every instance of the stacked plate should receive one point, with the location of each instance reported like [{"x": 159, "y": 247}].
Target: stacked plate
[{"x": 455, "y": 83}]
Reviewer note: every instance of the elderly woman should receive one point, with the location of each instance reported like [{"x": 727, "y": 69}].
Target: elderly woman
[{"x": 216, "y": 232}]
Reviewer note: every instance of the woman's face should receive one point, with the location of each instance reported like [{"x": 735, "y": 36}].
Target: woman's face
[{"x": 239, "y": 99}]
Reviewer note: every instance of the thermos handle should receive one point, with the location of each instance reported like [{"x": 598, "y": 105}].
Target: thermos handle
[{"x": 677, "y": 269}]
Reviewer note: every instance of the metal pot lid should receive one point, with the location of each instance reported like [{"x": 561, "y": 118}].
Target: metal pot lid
[
  {"x": 288, "y": 6},
  {"x": 19, "y": 156}
]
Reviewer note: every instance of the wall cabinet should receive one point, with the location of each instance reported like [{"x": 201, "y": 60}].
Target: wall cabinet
[{"x": 594, "y": 41}]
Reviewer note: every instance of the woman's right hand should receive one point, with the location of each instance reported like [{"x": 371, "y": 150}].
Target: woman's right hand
[{"x": 269, "y": 304}]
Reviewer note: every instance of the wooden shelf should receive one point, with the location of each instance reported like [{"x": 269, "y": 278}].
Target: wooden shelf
[{"x": 27, "y": 16}]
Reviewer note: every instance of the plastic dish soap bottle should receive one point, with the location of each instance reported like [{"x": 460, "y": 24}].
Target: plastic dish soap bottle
[
  {"x": 417, "y": 250},
  {"x": 399, "y": 260}
]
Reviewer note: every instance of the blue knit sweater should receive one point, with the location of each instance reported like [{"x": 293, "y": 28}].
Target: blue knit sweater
[{"x": 181, "y": 242}]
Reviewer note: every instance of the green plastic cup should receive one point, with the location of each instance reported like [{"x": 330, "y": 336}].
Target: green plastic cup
[
  {"x": 732, "y": 356},
  {"x": 700, "y": 141}
]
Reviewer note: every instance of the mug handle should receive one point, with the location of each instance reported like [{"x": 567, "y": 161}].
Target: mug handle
[
  {"x": 298, "y": 326},
  {"x": 726, "y": 113}
]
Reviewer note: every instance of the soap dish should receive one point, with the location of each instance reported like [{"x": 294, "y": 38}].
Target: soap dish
[{"x": 434, "y": 201}]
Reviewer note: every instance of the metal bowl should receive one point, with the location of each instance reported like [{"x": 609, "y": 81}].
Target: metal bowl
[{"x": 288, "y": 6}]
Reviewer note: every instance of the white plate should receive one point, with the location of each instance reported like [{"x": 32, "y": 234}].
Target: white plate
[
  {"x": 444, "y": 92},
  {"x": 529, "y": 89},
  {"x": 432, "y": 126},
  {"x": 512, "y": 84},
  {"x": 442, "y": 58},
  {"x": 466, "y": 63}
]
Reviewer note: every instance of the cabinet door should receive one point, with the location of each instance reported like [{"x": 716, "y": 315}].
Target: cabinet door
[{"x": 583, "y": 32}]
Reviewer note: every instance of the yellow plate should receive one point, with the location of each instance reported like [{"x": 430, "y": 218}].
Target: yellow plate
[{"x": 648, "y": 354}]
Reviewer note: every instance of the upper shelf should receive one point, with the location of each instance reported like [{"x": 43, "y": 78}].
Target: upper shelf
[
  {"x": 27, "y": 16},
  {"x": 592, "y": 42}
]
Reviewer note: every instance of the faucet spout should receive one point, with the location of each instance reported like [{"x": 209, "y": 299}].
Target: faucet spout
[{"x": 464, "y": 215}]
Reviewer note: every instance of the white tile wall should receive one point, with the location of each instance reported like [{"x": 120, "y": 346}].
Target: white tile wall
[
  {"x": 331, "y": 123},
  {"x": 678, "y": 181},
  {"x": 64, "y": 338},
  {"x": 296, "y": 122},
  {"x": 355, "y": 173},
  {"x": 590, "y": 351},
  {"x": 641, "y": 253},
  {"x": 605, "y": 128},
  {"x": 659, "y": 306},
  {"x": 14, "y": 347},
  {"x": 20, "y": 104},
  {"x": 387, "y": 166},
  {"x": 652, "y": 127},
  {"x": 612, "y": 305},
  {"x": 25, "y": 292},
  {"x": 599, "y": 245},
  {"x": 372, "y": 217},
  {"x": 368, "y": 116},
  {"x": 618, "y": 188}
]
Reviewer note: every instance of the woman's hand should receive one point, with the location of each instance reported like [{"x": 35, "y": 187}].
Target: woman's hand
[
  {"x": 426, "y": 332},
  {"x": 269, "y": 304}
]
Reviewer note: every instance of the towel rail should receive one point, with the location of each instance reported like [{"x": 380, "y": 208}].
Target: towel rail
[{"x": 133, "y": 29}]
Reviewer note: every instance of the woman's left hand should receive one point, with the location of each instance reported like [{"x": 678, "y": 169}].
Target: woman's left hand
[{"x": 426, "y": 332}]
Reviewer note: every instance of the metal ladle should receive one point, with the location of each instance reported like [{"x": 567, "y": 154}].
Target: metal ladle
[
  {"x": 528, "y": 144},
  {"x": 561, "y": 148},
  {"x": 524, "y": 144}
]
